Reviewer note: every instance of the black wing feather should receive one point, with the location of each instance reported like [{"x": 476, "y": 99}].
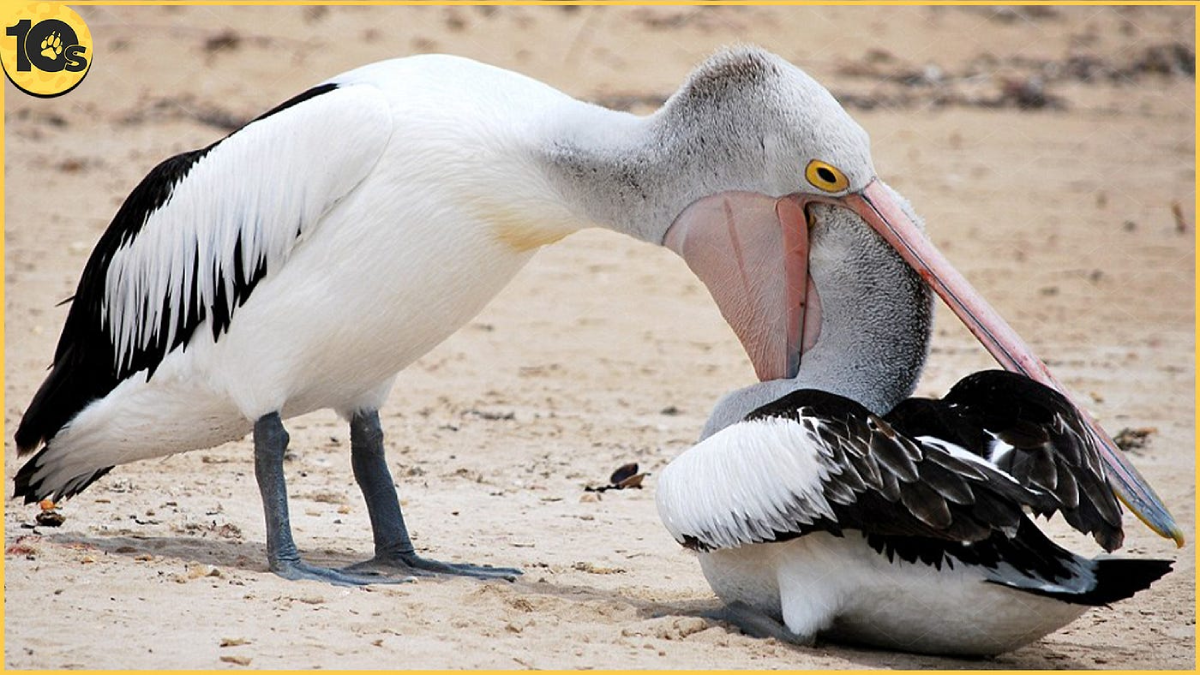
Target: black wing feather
[
  {"x": 85, "y": 364},
  {"x": 1053, "y": 450}
]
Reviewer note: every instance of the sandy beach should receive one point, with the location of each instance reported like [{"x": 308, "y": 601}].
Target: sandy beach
[{"x": 1050, "y": 151}]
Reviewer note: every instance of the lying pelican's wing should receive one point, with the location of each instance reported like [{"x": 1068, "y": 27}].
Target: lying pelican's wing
[
  {"x": 815, "y": 461},
  {"x": 1031, "y": 432}
]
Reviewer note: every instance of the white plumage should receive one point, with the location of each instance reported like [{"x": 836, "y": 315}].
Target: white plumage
[
  {"x": 271, "y": 197},
  {"x": 769, "y": 481},
  {"x": 841, "y": 588}
]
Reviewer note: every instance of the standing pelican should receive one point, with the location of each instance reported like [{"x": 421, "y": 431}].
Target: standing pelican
[
  {"x": 827, "y": 504},
  {"x": 304, "y": 260}
]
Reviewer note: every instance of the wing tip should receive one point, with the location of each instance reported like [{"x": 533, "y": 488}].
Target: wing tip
[{"x": 31, "y": 485}]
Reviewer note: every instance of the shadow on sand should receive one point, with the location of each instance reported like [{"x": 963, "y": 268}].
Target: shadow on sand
[{"x": 250, "y": 557}]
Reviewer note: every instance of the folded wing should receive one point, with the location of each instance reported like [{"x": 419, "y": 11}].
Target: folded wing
[
  {"x": 815, "y": 461},
  {"x": 1032, "y": 433}
]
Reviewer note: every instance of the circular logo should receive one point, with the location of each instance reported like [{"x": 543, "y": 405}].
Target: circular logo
[{"x": 46, "y": 49}]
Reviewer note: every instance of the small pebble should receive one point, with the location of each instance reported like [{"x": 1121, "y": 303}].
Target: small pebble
[
  {"x": 50, "y": 518},
  {"x": 234, "y": 642}
]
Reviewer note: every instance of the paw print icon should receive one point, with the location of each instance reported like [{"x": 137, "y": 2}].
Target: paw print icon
[{"x": 52, "y": 46}]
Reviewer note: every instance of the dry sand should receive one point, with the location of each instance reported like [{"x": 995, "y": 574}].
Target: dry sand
[{"x": 603, "y": 350}]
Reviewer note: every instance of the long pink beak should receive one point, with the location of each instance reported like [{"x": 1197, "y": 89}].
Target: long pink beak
[{"x": 734, "y": 242}]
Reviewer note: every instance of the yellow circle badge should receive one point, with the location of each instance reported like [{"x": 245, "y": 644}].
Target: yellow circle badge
[{"x": 46, "y": 49}]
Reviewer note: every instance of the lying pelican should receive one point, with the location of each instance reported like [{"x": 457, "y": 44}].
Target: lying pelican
[
  {"x": 816, "y": 514},
  {"x": 304, "y": 260}
]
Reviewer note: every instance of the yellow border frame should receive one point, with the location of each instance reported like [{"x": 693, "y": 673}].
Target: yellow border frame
[{"x": 880, "y": 3}]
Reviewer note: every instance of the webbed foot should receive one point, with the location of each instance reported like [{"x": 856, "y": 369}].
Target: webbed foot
[{"x": 414, "y": 565}]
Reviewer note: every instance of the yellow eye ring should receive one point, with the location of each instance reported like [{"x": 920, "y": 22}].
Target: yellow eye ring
[{"x": 825, "y": 176}]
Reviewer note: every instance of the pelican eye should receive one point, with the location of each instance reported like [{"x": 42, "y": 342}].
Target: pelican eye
[{"x": 825, "y": 176}]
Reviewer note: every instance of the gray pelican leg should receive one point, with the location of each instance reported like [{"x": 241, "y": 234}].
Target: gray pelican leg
[
  {"x": 394, "y": 551},
  {"x": 757, "y": 624},
  {"x": 270, "y": 443}
]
